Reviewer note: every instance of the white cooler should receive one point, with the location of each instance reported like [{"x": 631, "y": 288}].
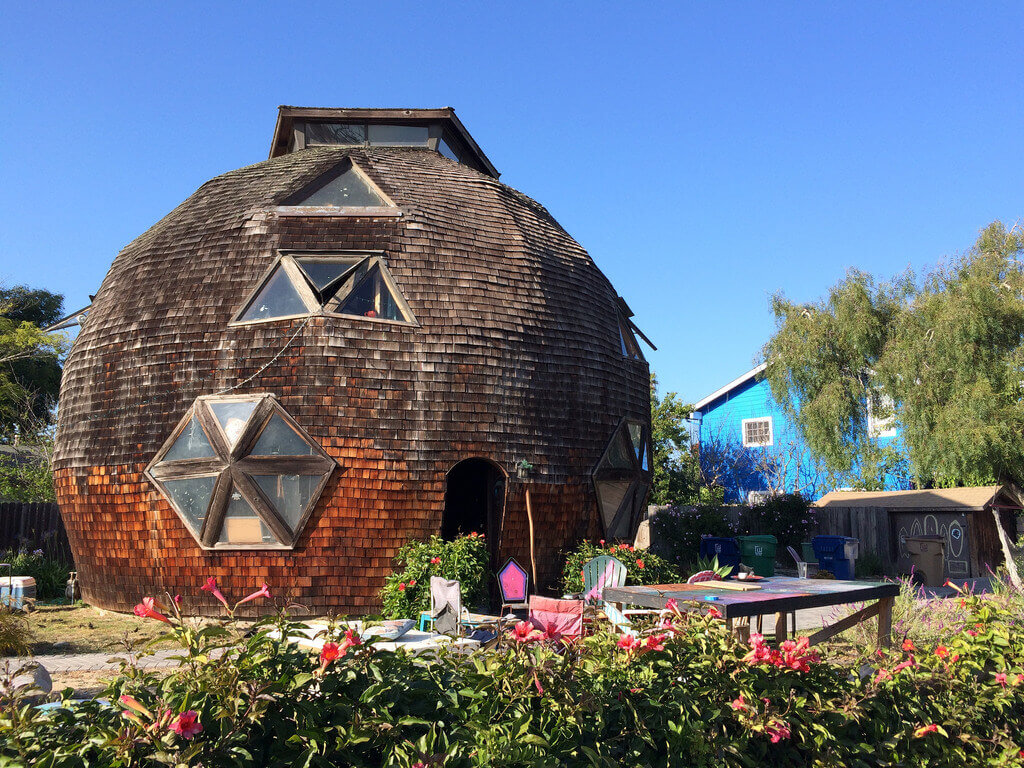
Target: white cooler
[{"x": 17, "y": 591}]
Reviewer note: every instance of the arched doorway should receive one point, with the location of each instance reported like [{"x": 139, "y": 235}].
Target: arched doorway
[{"x": 474, "y": 500}]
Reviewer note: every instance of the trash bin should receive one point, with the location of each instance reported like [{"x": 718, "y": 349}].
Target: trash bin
[
  {"x": 836, "y": 554},
  {"x": 726, "y": 549},
  {"x": 807, "y": 551},
  {"x": 759, "y": 553},
  {"x": 928, "y": 556}
]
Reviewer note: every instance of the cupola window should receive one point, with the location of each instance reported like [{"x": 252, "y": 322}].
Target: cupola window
[
  {"x": 349, "y": 285},
  {"x": 255, "y": 482},
  {"x": 622, "y": 478}
]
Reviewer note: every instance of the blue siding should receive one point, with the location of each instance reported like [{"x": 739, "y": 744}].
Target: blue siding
[{"x": 741, "y": 470}]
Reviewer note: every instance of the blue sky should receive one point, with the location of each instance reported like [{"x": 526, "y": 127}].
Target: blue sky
[{"x": 706, "y": 154}]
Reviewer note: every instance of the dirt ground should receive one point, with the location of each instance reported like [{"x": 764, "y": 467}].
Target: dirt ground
[{"x": 80, "y": 628}]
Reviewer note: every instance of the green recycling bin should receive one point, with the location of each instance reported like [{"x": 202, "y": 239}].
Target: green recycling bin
[
  {"x": 807, "y": 550},
  {"x": 759, "y": 553}
]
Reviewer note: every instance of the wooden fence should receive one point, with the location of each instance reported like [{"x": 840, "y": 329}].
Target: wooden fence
[
  {"x": 34, "y": 526},
  {"x": 869, "y": 524}
]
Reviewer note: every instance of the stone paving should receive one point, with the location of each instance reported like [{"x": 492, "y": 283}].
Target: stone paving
[{"x": 94, "y": 662}]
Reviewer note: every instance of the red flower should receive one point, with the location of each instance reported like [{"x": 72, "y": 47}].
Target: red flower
[
  {"x": 525, "y": 632},
  {"x": 612, "y": 548},
  {"x": 401, "y": 587},
  {"x": 883, "y": 674},
  {"x": 1001, "y": 678},
  {"x": 187, "y": 724},
  {"x": 714, "y": 613},
  {"x": 903, "y": 665},
  {"x": 925, "y": 730},
  {"x": 628, "y": 642},
  {"x": 147, "y": 610},
  {"x": 739, "y": 703},
  {"x": 908, "y": 645},
  {"x": 655, "y": 643},
  {"x": 211, "y": 587},
  {"x": 263, "y": 591},
  {"x": 942, "y": 652},
  {"x": 435, "y": 560},
  {"x": 777, "y": 730},
  {"x": 330, "y": 652},
  {"x": 602, "y": 542},
  {"x": 672, "y": 605},
  {"x": 639, "y": 563}
]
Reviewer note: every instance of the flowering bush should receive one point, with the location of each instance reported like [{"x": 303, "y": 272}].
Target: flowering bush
[
  {"x": 676, "y": 532},
  {"x": 642, "y": 566},
  {"x": 680, "y": 691},
  {"x": 406, "y": 591}
]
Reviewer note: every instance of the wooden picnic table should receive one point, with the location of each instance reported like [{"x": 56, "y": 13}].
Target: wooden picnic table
[{"x": 780, "y": 595}]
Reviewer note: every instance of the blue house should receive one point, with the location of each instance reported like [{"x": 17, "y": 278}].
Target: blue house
[{"x": 751, "y": 448}]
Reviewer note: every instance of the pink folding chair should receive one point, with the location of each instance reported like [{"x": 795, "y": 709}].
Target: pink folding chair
[{"x": 562, "y": 618}]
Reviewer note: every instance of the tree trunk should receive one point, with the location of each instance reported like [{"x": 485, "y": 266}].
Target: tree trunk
[{"x": 1011, "y": 565}]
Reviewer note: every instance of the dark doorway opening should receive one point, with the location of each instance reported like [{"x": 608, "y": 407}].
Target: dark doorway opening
[{"x": 474, "y": 499}]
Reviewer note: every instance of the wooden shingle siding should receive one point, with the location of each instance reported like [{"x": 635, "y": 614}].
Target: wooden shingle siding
[{"x": 516, "y": 356}]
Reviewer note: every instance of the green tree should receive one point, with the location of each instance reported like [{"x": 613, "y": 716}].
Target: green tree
[
  {"x": 29, "y": 359},
  {"x": 676, "y": 475},
  {"x": 955, "y": 364},
  {"x": 942, "y": 357}
]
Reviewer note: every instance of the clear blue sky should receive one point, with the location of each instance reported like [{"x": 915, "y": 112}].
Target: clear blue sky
[{"x": 706, "y": 154}]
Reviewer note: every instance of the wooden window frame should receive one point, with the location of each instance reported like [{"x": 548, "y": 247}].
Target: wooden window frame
[
  {"x": 234, "y": 468},
  {"x": 639, "y": 478},
  {"x": 287, "y": 261},
  {"x": 771, "y": 432}
]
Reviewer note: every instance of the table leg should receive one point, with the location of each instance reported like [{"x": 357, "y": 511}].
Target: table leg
[
  {"x": 781, "y": 626},
  {"x": 885, "y": 621}
]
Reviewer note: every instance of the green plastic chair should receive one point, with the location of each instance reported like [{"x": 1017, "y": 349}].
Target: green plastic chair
[{"x": 606, "y": 571}]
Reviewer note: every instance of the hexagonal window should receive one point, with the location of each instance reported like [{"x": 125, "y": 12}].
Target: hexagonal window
[{"x": 240, "y": 473}]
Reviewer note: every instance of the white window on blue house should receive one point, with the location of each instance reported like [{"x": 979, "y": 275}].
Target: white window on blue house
[
  {"x": 881, "y": 415},
  {"x": 758, "y": 433}
]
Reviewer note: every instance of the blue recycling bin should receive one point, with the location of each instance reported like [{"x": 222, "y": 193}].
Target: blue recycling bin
[
  {"x": 836, "y": 554},
  {"x": 726, "y": 549}
]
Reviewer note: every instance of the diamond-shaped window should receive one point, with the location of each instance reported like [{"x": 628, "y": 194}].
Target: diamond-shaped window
[
  {"x": 622, "y": 478},
  {"x": 240, "y": 473}
]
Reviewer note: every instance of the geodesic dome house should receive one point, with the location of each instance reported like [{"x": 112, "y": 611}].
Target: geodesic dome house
[{"x": 365, "y": 339}]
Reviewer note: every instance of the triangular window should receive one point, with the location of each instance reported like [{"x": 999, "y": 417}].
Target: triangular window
[
  {"x": 372, "y": 297},
  {"x": 619, "y": 453},
  {"x": 242, "y": 525},
  {"x": 290, "y": 495},
  {"x": 277, "y": 298},
  {"x": 278, "y": 439},
  {"x": 232, "y": 418},
  {"x": 347, "y": 189},
  {"x": 627, "y": 341},
  {"x": 327, "y": 273},
  {"x": 192, "y": 443},
  {"x": 191, "y": 498},
  {"x": 358, "y": 285}
]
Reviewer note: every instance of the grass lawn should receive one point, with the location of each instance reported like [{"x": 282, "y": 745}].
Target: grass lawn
[{"x": 79, "y": 628}]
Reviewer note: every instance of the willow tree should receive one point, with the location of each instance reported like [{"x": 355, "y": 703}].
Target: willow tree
[
  {"x": 822, "y": 366},
  {"x": 944, "y": 358},
  {"x": 954, "y": 362}
]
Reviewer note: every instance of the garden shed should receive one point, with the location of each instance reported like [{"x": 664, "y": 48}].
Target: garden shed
[
  {"x": 964, "y": 517},
  {"x": 365, "y": 339}
]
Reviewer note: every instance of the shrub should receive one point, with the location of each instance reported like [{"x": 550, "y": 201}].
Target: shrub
[
  {"x": 682, "y": 693},
  {"x": 15, "y": 635},
  {"x": 676, "y": 532},
  {"x": 789, "y": 518},
  {"x": 406, "y": 591},
  {"x": 642, "y": 566},
  {"x": 51, "y": 574}
]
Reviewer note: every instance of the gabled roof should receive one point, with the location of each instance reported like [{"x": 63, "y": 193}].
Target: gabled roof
[
  {"x": 730, "y": 386},
  {"x": 966, "y": 499}
]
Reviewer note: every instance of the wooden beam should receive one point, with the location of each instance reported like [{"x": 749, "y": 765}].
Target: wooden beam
[
  {"x": 885, "y": 621},
  {"x": 852, "y": 620}
]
